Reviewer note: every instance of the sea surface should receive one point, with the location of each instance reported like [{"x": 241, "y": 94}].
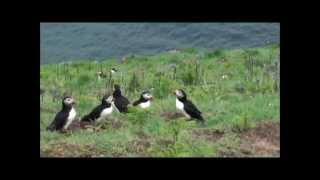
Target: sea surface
[{"x": 60, "y": 42}]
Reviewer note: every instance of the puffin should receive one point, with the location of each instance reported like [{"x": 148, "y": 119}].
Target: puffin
[
  {"x": 101, "y": 75},
  {"x": 64, "y": 117},
  {"x": 101, "y": 111},
  {"x": 113, "y": 70},
  {"x": 120, "y": 102},
  {"x": 144, "y": 101},
  {"x": 186, "y": 106}
]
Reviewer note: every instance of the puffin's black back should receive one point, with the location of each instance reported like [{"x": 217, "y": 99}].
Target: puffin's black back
[
  {"x": 120, "y": 101},
  {"x": 140, "y": 100},
  {"x": 192, "y": 110},
  {"x": 95, "y": 113},
  {"x": 59, "y": 121}
]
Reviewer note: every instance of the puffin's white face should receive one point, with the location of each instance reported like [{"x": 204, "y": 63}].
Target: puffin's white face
[
  {"x": 179, "y": 94},
  {"x": 147, "y": 96},
  {"x": 69, "y": 101},
  {"x": 109, "y": 99}
]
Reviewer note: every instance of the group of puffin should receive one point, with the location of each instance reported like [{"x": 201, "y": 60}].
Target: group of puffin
[{"x": 118, "y": 102}]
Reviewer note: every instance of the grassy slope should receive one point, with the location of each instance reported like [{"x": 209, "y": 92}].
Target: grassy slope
[{"x": 232, "y": 91}]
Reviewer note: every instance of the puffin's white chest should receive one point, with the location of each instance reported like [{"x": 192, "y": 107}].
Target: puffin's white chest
[
  {"x": 145, "y": 104},
  {"x": 180, "y": 106},
  {"x": 106, "y": 112},
  {"x": 72, "y": 115}
]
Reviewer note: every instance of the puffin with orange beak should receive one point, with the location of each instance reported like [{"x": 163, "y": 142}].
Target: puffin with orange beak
[
  {"x": 65, "y": 117},
  {"x": 144, "y": 101},
  {"x": 100, "y": 112},
  {"x": 186, "y": 106}
]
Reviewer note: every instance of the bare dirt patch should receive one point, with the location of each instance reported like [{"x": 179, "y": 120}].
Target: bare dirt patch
[
  {"x": 70, "y": 150},
  {"x": 171, "y": 115},
  {"x": 142, "y": 135},
  {"x": 261, "y": 141},
  {"x": 91, "y": 126},
  {"x": 115, "y": 123},
  {"x": 165, "y": 142},
  {"x": 208, "y": 134},
  {"x": 138, "y": 146}
]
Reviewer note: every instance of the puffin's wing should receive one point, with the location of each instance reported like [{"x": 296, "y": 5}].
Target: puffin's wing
[
  {"x": 94, "y": 114},
  {"x": 136, "y": 102},
  {"x": 58, "y": 121},
  {"x": 191, "y": 109},
  {"x": 126, "y": 101},
  {"x": 122, "y": 104}
]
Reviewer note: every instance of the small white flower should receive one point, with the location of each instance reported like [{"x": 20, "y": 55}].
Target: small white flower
[{"x": 224, "y": 77}]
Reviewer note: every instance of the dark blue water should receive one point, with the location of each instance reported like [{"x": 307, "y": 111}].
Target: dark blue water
[{"x": 96, "y": 41}]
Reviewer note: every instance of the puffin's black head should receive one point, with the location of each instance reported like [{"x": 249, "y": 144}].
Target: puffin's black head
[
  {"x": 68, "y": 101},
  {"x": 181, "y": 95},
  {"x": 146, "y": 95},
  {"x": 107, "y": 99},
  {"x": 116, "y": 87},
  {"x": 117, "y": 91}
]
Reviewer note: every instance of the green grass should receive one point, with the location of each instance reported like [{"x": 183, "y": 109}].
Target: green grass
[{"x": 233, "y": 88}]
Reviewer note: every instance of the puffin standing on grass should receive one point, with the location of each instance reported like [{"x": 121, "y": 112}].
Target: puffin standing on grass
[
  {"x": 113, "y": 70},
  {"x": 101, "y": 75},
  {"x": 100, "y": 112},
  {"x": 65, "y": 117},
  {"x": 187, "y": 107},
  {"x": 120, "y": 102},
  {"x": 144, "y": 101}
]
